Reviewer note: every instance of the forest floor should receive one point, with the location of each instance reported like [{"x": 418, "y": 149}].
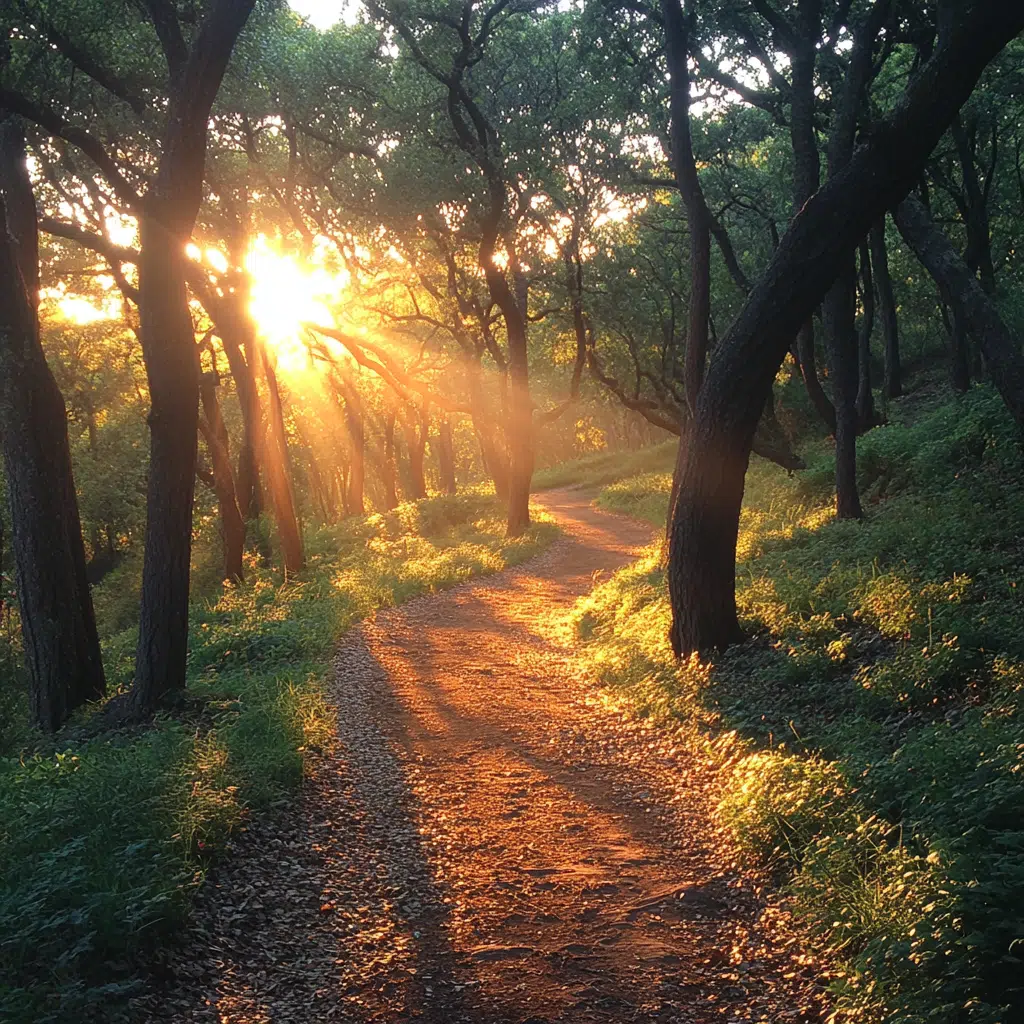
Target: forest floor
[{"x": 487, "y": 839}]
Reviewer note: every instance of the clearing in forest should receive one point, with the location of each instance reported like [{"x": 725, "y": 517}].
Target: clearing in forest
[{"x": 488, "y": 840}]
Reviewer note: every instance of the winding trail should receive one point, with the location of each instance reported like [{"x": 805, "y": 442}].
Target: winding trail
[{"x": 488, "y": 841}]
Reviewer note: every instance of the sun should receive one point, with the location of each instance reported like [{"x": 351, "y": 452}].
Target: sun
[{"x": 287, "y": 291}]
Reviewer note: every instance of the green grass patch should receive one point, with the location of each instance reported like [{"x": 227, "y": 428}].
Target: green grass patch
[
  {"x": 102, "y": 841},
  {"x": 870, "y": 732}
]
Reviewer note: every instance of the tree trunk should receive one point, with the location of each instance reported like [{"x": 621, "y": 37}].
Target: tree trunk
[
  {"x": 216, "y": 435},
  {"x": 806, "y": 178},
  {"x": 809, "y": 372},
  {"x": 416, "y": 442},
  {"x": 971, "y": 306},
  {"x": 892, "y": 381},
  {"x": 172, "y": 368},
  {"x": 58, "y": 625},
  {"x": 389, "y": 468},
  {"x": 840, "y": 333},
  {"x": 810, "y": 256},
  {"x": 278, "y": 469},
  {"x": 169, "y": 351},
  {"x": 520, "y": 446},
  {"x": 354, "y": 425},
  {"x": 446, "y": 456},
  {"x": 865, "y": 399},
  {"x": 237, "y": 334}
]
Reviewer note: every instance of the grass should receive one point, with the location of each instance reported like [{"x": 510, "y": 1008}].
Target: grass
[
  {"x": 102, "y": 841},
  {"x": 870, "y": 732},
  {"x": 606, "y": 467}
]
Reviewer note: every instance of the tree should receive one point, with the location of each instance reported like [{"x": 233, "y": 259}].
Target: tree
[
  {"x": 973, "y": 308},
  {"x": 58, "y": 624},
  {"x": 810, "y": 256}
]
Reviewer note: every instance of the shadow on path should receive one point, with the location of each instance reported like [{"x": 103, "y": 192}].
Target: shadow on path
[{"x": 489, "y": 841}]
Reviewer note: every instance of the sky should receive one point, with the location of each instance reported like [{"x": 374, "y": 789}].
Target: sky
[{"x": 322, "y": 13}]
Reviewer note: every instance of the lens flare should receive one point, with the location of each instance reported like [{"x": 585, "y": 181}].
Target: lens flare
[{"x": 286, "y": 291}]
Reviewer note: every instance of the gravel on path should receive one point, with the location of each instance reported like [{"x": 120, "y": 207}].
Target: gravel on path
[{"x": 488, "y": 840}]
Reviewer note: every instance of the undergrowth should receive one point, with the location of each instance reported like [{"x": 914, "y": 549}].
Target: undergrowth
[
  {"x": 102, "y": 840},
  {"x": 870, "y": 730},
  {"x": 605, "y": 467}
]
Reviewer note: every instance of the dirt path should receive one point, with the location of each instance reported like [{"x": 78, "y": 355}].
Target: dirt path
[{"x": 489, "y": 842}]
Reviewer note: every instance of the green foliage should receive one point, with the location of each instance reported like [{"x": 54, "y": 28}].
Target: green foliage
[
  {"x": 102, "y": 840},
  {"x": 888, "y": 657}
]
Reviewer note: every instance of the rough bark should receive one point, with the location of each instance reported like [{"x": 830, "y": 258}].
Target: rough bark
[
  {"x": 810, "y": 256},
  {"x": 58, "y": 626},
  {"x": 971, "y": 306},
  {"x": 892, "y": 380},
  {"x": 215, "y": 433}
]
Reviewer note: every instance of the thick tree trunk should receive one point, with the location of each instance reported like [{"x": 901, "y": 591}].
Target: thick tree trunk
[
  {"x": 169, "y": 351},
  {"x": 971, "y": 306},
  {"x": 216, "y": 436},
  {"x": 277, "y": 464},
  {"x": 58, "y": 626},
  {"x": 172, "y": 368},
  {"x": 446, "y": 456},
  {"x": 810, "y": 256},
  {"x": 865, "y": 398},
  {"x": 892, "y": 381}
]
